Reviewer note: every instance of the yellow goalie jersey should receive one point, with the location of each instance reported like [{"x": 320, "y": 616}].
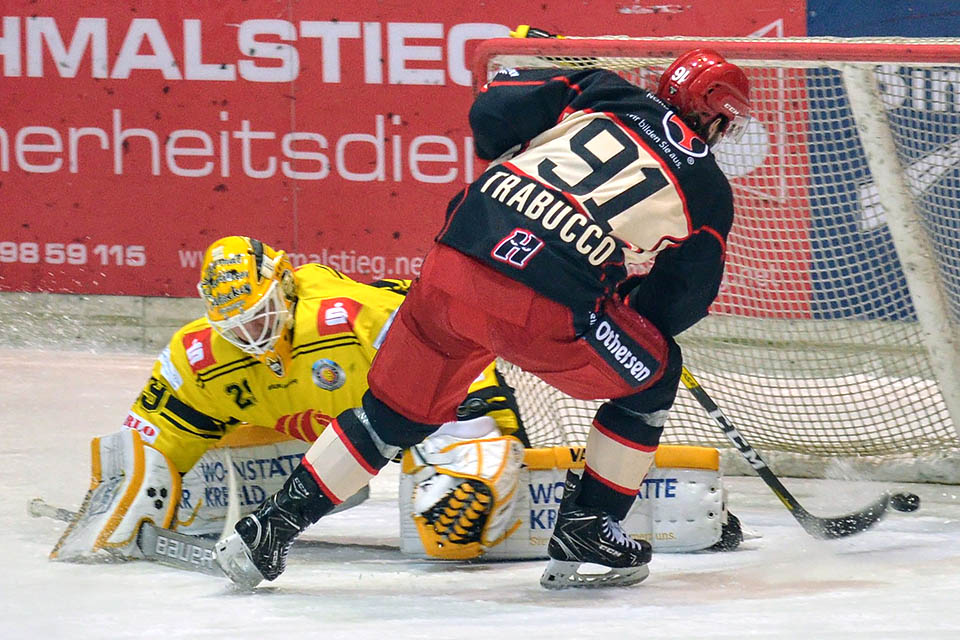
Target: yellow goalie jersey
[{"x": 202, "y": 387}]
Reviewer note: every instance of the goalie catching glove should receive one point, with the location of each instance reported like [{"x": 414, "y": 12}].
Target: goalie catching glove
[
  {"x": 465, "y": 488},
  {"x": 130, "y": 483}
]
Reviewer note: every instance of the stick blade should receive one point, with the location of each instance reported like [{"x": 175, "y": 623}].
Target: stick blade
[
  {"x": 848, "y": 525},
  {"x": 178, "y": 550}
]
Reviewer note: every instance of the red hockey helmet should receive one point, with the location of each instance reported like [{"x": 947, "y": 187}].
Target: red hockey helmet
[{"x": 702, "y": 85}]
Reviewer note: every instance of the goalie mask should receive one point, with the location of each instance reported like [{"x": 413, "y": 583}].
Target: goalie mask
[
  {"x": 703, "y": 87},
  {"x": 250, "y": 291}
]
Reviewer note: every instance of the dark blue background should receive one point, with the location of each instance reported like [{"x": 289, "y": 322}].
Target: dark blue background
[{"x": 851, "y": 18}]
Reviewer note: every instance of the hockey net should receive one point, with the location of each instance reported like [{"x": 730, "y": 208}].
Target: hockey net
[{"x": 836, "y": 331}]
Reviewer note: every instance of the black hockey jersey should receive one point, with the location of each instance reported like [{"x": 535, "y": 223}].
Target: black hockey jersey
[{"x": 589, "y": 171}]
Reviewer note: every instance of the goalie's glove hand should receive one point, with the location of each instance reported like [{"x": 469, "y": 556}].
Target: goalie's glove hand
[
  {"x": 460, "y": 512},
  {"x": 526, "y": 31},
  {"x": 465, "y": 491}
]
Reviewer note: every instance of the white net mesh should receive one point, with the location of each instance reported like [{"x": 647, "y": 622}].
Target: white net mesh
[{"x": 814, "y": 345}]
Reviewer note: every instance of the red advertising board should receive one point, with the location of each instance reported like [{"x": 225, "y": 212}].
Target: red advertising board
[{"x": 132, "y": 134}]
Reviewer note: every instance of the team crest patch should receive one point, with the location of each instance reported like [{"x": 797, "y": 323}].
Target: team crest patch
[{"x": 328, "y": 375}]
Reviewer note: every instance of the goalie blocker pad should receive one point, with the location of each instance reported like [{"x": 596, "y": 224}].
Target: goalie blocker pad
[{"x": 680, "y": 506}]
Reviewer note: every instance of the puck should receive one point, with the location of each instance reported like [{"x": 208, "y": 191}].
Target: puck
[{"x": 905, "y": 502}]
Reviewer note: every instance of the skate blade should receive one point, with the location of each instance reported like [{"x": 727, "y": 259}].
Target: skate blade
[
  {"x": 236, "y": 564},
  {"x": 561, "y": 574}
]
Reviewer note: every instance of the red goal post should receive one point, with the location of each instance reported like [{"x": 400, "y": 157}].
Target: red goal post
[{"x": 837, "y": 331}]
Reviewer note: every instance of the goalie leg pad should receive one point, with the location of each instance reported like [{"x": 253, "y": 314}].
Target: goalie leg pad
[
  {"x": 679, "y": 508},
  {"x": 130, "y": 483}
]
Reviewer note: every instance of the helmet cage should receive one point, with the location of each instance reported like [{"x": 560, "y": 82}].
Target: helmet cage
[
  {"x": 735, "y": 128},
  {"x": 257, "y": 329}
]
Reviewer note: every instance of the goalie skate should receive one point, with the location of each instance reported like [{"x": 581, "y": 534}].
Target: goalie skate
[{"x": 589, "y": 548}]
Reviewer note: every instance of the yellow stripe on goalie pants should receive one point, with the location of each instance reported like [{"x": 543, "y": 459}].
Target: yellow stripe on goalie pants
[
  {"x": 251, "y": 436},
  {"x": 489, "y": 395}
]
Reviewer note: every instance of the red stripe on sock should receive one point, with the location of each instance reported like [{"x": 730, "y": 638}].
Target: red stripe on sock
[
  {"x": 335, "y": 425},
  {"x": 621, "y": 440},
  {"x": 613, "y": 486},
  {"x": 323, "y": 487}
]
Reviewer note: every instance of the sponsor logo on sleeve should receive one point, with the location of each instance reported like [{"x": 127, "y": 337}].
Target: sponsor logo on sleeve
[
  {"x": 337, "y": 315},
  {"x": 147, "y": 431},
  {"x": 199, "y": 350}
]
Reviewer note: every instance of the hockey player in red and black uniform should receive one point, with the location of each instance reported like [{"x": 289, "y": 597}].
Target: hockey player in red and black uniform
[{"x": 589, "y": 173}]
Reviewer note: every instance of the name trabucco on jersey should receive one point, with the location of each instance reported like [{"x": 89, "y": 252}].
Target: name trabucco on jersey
[
  {"x": 552, "y": 213},
  {"x": 600, "y": 170}
]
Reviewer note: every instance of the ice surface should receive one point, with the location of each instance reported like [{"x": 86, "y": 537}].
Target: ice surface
[{"x": 346, "y": 578}]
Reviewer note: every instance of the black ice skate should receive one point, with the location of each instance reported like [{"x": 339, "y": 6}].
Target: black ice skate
[
  {"x": 258, "y": 549},
  {"x": 584, "y": 535}
]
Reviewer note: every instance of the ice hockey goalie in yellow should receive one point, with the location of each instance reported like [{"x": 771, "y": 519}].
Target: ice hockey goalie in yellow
[
  {"x": 281, "y": 348},
  {"x": 296, "y": 356}
]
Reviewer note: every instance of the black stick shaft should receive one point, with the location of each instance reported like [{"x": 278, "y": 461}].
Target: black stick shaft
[{"x": 818, "y": 527}]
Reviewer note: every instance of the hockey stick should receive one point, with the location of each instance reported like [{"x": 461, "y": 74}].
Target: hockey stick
[
  {"x": 161, "y": 545},
  {"x": 823, "y": 528},
  {"x": 172, "y": 548}
]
